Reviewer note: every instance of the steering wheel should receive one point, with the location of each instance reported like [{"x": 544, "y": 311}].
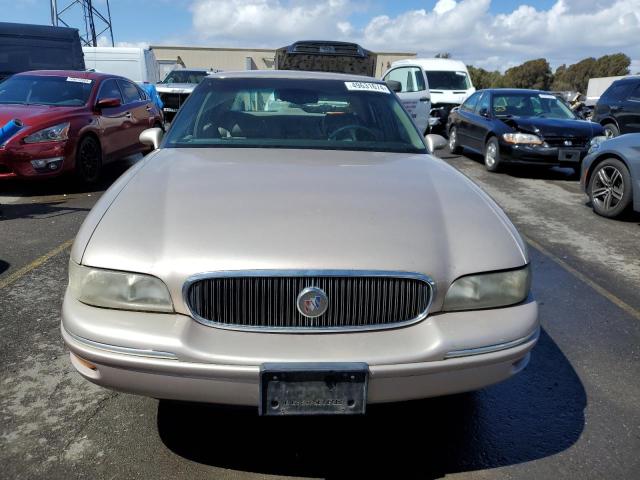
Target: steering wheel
[{"x": 352, "y": 129}]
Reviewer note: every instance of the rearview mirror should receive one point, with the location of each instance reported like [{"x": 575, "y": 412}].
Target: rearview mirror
[
  {"x": 151, "y": 137},
  {"x": 394, "y": 85},
  {"x": 435, "y": 142},
  {"x": 108, "y": 103}
]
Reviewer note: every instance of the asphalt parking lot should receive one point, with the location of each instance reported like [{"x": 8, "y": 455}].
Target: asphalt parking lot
[{"x": 573, "y": 413}]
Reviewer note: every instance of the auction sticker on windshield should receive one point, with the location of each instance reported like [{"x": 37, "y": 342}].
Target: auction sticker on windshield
[
  {"x": 367, "y": 87},
  {"x": 547, "y": 96},
  {"x": 79, "y": 80}
]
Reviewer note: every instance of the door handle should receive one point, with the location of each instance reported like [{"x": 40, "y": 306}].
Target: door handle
[
  {"x": 149, "y": 108},
  {"x": 128, "y": 115},
  {"x": 425, "y": 99}
]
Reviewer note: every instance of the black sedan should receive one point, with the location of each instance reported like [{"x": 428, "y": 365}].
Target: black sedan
[{"x": 520, "y": 126}]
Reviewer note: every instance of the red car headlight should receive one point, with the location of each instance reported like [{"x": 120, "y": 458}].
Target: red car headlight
[{"x": 56, "y": 133}]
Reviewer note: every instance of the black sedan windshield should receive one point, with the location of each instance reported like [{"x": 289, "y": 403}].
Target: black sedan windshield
[
  {"x": 45, "y": 90},
  {"x": 530, "y": 104},
  {"x": 292, "y": 113}
]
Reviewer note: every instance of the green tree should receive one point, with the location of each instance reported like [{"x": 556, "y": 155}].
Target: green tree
[
  {"x": 443, "y": 55},
  {"x": 482, "y": 78},
  {"x": 534, "y": 74},
  {"x": 576, "y": 77}
]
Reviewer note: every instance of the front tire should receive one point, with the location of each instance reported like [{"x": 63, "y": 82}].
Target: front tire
[
  {"x": 611, "y": 130},
  {"x": 453, "y": 141},
  {"x": 88, "y": 160},
  {"x": 492, "y": 161},
  {"x": 610, "y": 188}
]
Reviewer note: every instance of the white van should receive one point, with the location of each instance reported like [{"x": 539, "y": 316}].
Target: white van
[
  {"x": 414, "y": 93},
  {"x": 137, "y": 64},
  {"x": 449, "y": 85}
]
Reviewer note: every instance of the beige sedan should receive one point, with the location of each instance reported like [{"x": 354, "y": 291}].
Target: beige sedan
[{"x": 292, "y": 245}]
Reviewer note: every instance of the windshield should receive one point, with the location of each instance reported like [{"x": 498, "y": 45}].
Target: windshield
[
  {"x": 45, "y": 90},
  {"x": 294, "y": 113},
  {"x": 544, "y": 105},
  {"x": 448, "y": 81},
  {"x": 184, "y": 76}
]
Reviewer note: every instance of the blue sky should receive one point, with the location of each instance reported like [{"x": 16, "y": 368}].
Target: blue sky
[{"x": 494, "y": 34}]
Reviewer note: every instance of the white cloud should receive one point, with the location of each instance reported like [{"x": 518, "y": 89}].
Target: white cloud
[{"x": 568, "y": 31}]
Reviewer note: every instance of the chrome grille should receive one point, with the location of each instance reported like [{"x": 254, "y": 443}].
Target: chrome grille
[{"x": 266, "y": 301}]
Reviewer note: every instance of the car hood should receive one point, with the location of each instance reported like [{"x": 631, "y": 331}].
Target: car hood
[
  {"x": 32, "y": 115},
  {"x": 175, "y": 87},
  {"x": 553, "y": 127},
  {"x": 188, "y": 211}
]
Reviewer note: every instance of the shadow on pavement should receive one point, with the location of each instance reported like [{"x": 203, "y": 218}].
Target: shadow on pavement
[
  {"x": 4, "y": 266},
  {"x": 534, "y": 415},
  {"x": 521, "y": 171},
  {"x": 36, "y": 210}
]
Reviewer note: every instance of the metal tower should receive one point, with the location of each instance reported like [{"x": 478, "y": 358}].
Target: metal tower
[{"x": 77, "y": 12}]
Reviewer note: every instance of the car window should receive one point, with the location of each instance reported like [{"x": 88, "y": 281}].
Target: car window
[
  {"x": 410, "y": 78},
  {"x": 448, "y": 80},
  {"x": 470, "y": 103},
  {"x": 185, "y": 76},
  {"x": 143, "y": 93},
  {"x": 109, "y": 89},
  {"x": 129, "y": 91},
  {"x": 529, "y": 104},
  {"x": 45, "y": 90},
  {"x": 294, "y": 113},
  {"x": 635, "y": 94},
  {"x": 616, "y": 92},
  {"x": 484, "y": 103}
]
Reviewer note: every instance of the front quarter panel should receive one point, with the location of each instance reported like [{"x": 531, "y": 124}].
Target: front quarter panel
[{"x": 100, "y": 208}]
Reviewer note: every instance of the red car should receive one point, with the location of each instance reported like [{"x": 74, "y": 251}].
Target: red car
[{"x": 72, "y": 122}]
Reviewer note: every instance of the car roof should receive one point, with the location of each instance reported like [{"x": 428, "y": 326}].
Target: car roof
[
  {"x": 69, "y": 73},
  {"x": 294, "y": 74},
  {"x": 445, "y": 64},
  {"x": 514, "y": 90}
]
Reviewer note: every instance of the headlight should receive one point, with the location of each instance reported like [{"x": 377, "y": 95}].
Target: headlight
[
  {"x": 488, "y": 290},
  {"x": 523, "y": 138},
  {"x": 595, "y": 143},
  {"x": 51, "y": 134},
  {"x": 120, "y": 290}
]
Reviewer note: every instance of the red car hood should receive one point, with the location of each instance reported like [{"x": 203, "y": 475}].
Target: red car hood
[{"x": 32, "y": 115}]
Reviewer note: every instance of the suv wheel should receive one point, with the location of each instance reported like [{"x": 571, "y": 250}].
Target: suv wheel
[
  {"x": 610, "y": 188},
  {"x": 492, "y": 160},
  {"x": 610, "y": 130},
  {"x": 453, "y": 141}
]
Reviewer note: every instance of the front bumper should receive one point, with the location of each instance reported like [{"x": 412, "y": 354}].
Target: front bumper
[
  {"x": 539, "y": 155},
  {"x": 172, "y": 356},
  {"x": 16, "y": 158}
]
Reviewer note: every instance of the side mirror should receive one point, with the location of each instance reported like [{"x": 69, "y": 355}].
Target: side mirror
[
  {"x": 484, "y": 112},
  {"x": 394, "y": 85},
  {"x": 108, "y": 103},
  {"x": 151, "y": 137},
  {"x": 435, "y": 142}
]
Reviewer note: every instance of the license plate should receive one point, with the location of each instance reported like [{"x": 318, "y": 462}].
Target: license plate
[
  {"x": 313, "y": 388},
  {"x": 569, "y": 155}
]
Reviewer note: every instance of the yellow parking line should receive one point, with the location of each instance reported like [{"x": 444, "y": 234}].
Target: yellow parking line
[
  {"x": 601, "y": 290},
  {"x": 35, "y": 264}
]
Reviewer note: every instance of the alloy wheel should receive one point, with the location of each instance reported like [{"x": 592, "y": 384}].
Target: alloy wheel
[
  {"x": 608, "y": 188},
  {"x": 490, "y": 155},
  {"x": 453, "y": 139}
]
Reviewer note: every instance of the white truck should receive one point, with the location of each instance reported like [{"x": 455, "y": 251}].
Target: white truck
[
  {"x": 135, "y": 63},
  {"x": 431, "y": 87}
]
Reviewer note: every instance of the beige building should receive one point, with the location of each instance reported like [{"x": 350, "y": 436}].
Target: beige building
[{"x": 239, "y": 58}]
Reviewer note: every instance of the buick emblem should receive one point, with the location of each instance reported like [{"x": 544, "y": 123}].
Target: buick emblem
[
  {"x": 312, "y": 302},
  {"x": 568, "y": 143}
]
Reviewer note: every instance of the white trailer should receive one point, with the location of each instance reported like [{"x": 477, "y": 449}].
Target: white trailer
[{"x": 135, "y": 63}]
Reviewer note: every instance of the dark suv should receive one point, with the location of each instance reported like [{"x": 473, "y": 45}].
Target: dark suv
[{"x": 618, "y": 109}]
